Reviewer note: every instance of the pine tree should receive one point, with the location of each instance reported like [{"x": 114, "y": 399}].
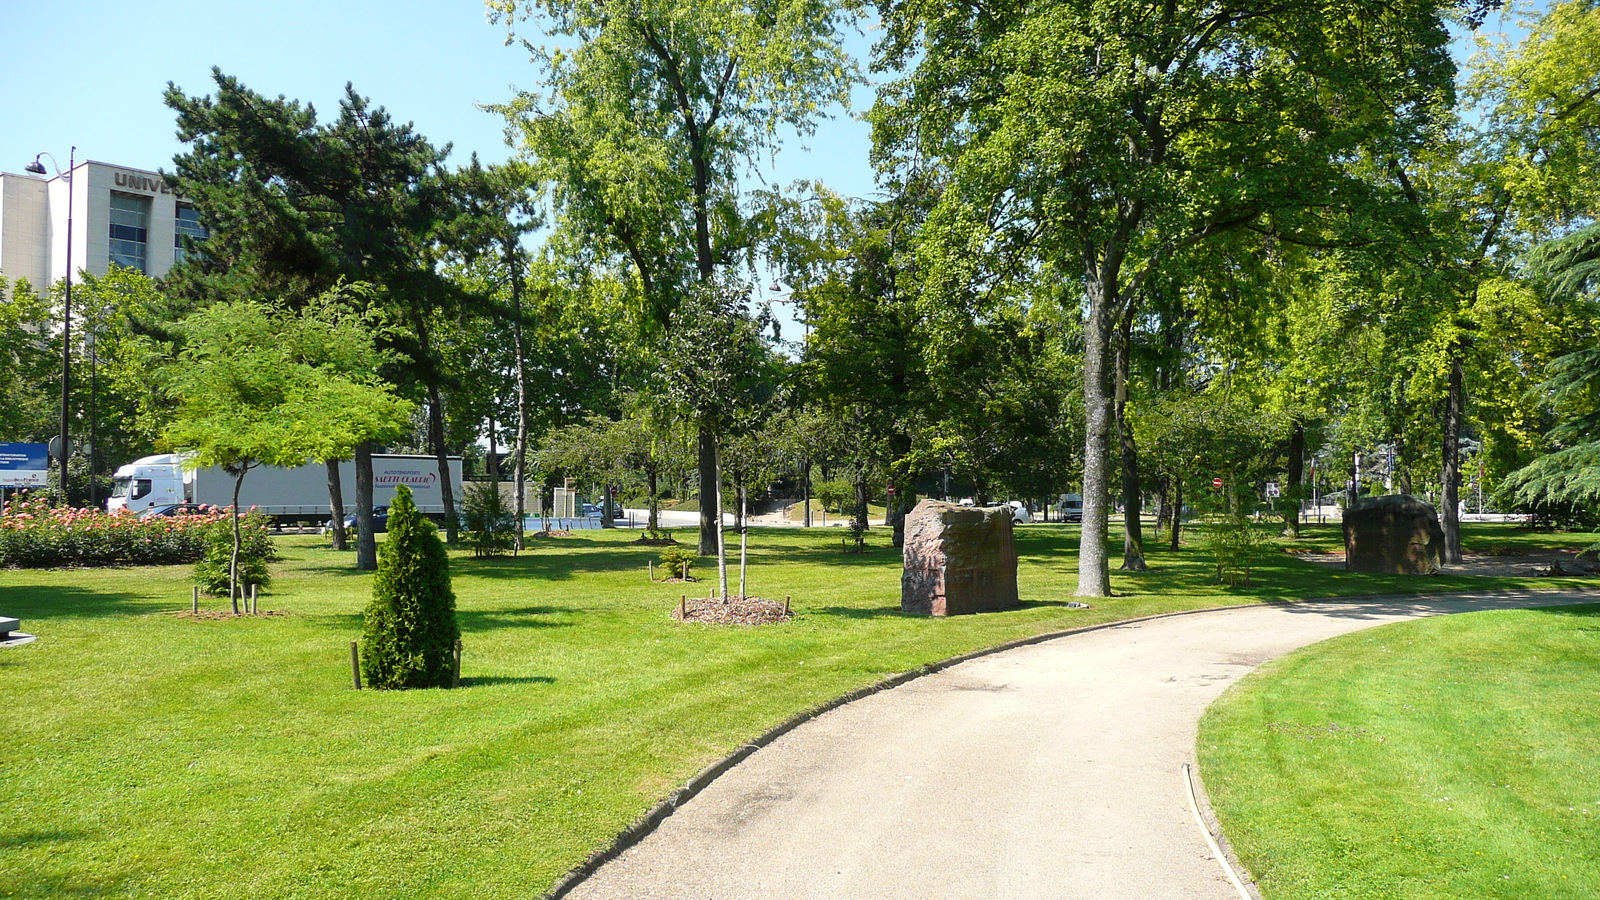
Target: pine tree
[{"x": 410, "y": 629}]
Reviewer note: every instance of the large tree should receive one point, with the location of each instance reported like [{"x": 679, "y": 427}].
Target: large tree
[
  {"x": 295, "y": 205},
  {"x": 655, "y": 110},
  {"x": 1101, "y": 138},
  {"x": 254, "y": 385}
]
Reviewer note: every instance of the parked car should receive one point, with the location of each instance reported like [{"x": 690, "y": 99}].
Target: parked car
[
  {"x": 172, "y": 509},
  {"x": 380, "y": 521},
  {"x": 1019, "y": 513}
]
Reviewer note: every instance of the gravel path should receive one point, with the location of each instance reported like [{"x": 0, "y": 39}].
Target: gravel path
[{"x": 1048, "y": 771}]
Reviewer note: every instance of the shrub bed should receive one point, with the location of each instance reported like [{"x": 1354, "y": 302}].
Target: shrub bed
[{"x": 34, "y": 535}]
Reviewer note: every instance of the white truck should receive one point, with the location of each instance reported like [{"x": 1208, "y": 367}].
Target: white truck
[{"x": 296, "y": 494}]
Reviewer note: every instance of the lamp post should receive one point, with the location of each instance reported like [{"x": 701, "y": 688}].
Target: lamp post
[{"x": 37, "y": 168}]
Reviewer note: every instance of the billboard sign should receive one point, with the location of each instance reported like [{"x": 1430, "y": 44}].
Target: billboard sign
[{"x": 24, "y": 465}]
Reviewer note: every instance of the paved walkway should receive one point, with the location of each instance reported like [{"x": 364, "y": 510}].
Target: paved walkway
[{"x": 1048, "y": 771}]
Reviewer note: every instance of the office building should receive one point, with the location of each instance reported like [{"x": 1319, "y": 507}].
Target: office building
[{"x": 120, "y": 215}]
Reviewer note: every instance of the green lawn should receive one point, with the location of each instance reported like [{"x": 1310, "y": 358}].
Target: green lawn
[
  {"x": 1453, "y": 757},
  {"x": 146, "y": 754}
]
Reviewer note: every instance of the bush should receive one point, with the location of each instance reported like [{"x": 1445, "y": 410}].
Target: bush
[
  {"x": 677, "y": 560},
  {"x": 255, "y": 549},
  {"x": 36, "y": 535},
  {"x": 491, "y": 526},
  {"x": 1236, "y": 545},
  {"x": 409, "y": 630}
]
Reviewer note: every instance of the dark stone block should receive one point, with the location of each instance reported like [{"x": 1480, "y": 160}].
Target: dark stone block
[
  {"x": 958, "y": 560},
  {"x": 1394, "y": 534}
]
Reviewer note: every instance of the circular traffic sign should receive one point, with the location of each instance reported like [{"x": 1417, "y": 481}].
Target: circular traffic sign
[{"x": 1216, "y": 482}]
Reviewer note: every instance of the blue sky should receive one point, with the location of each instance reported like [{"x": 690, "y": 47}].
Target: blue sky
[{"x": 91, "y": 73}]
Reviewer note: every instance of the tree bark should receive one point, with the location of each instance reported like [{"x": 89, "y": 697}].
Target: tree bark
[
  {"x": 1177, "y": 511},
  {"x": 336, "y": 504},
  {"x": 1450, "y": 470},
  {"x": 519, "y": 466},
  {"x": 1132, "y": 493},
  {"x": 805, "y": 487},
  {"x": 655, "y": 502},
  {"x": 1295, "y": 477},
  {"x": 233, "y": 558},
  {"x": 440, "y": 452},
  {"x": 861, "y": 501},
  {"x": 1094, "y": 570},
  {"x": 710, "y": 494},
  {"x": 366, "y": 541}
]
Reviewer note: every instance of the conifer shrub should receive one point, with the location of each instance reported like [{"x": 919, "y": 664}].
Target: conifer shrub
[{"x": 409, "y": 630}]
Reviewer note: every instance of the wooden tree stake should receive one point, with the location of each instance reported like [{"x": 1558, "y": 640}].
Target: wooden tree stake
[
  {"x": 455, "y": 665},
  {"x": 196, "y": 607},
  {"x": 355, "y": 665}
]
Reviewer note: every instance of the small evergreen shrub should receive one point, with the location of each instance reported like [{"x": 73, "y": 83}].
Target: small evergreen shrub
[
  {"x": 491, "y": 524},
  {"x": 409, "y": 629},
  {"x": 677, "y": 560},
  {"x": 255, "y": 549}
]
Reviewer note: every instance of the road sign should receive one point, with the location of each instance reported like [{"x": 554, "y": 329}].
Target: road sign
[
  {"x": 1272, "y": 489},
  {"x": 1216, "y": 482},
  {"x": 24, "y": 465}
]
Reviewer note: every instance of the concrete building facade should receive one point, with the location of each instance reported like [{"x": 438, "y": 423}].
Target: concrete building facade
[{"x": 119, "y": 214}]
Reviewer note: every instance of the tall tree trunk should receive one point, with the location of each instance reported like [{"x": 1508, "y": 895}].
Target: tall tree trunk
[
  {"x": 650, "y": 476},
  {"x": 861, "y": 501},
  {"x": 1132, "y": 490},
  {"x": 1163, "y": 504},
  {"x": 904, "y": 498},
  {"x": 491, "y": 462},
  {"x": 366, "y": 541},
  {"x": 1094, "y": 569},
  {"x": 805, "y": 487},
  {"x": 519, "y": 466},
  {"x": 716, "y": 502},
  {"x": 1296, "y": 477},
  {"x": 336, "y": 504},
  {"x": 233, "y": 558},
  {"x": 608, "y": 506},
  {"x": 1403, "y": 477},
  {"x": 441, "y": 453},
  {"x": 1177, "y": 511},
  {"x": 710, "y": 494},
  {"x": 1450, "y": 470}
]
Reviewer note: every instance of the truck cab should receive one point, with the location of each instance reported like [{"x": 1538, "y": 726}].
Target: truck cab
[{"x": 149, "y": 482}]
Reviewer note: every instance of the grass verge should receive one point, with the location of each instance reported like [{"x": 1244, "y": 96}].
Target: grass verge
[
  {"x": 147, "y": 754},
  {"x": 1452, "y": 757}
]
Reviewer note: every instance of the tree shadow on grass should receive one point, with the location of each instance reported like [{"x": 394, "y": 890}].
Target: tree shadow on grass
[
  {"x": 17, "y": 840},
  {"x": 32, "y": 603},
  {"x": 490, "y": 680},
  {"x": 859, "y": 612},
  {"x": 558, "y": 566},
  {"x": 526, "y": 617}
]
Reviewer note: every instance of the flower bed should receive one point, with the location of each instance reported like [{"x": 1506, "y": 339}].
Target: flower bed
[{"x": 34, "y": 535}]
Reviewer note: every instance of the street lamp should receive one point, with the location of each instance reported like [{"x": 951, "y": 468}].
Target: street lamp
[{"x": 37, "y": 168}]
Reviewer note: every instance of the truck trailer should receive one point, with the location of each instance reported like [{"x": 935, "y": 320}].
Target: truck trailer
[{"x": 298, "y": 494}]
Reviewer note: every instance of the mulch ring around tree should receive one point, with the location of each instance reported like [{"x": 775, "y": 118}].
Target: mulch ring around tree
[
  {"x": 655, "y": 542},
  {"x": 733, "y": 611},
  {"x": 218, "y": 615}
]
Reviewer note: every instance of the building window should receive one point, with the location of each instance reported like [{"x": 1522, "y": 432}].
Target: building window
[
  {"x": 130, "y": 230},
  {"x": 188, "y": 226}
]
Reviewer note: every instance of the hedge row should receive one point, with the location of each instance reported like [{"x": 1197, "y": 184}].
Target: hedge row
[{"x": 33, "y": 535}]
